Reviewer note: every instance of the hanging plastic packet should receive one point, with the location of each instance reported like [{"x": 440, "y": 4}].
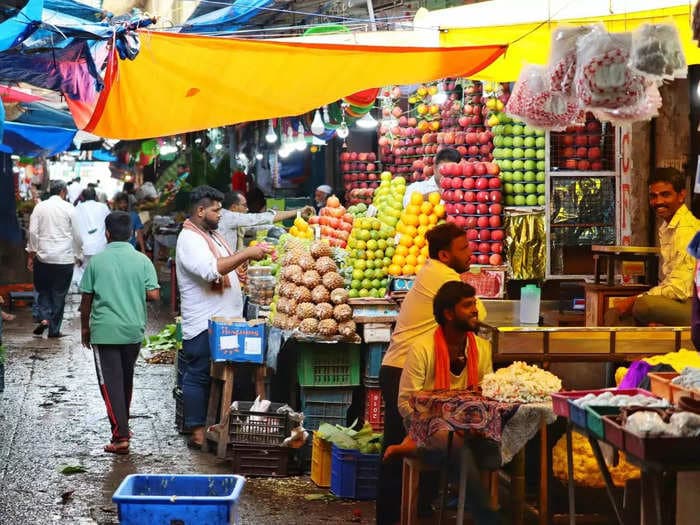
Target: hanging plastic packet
[
  {"x": 603, "y": 78},
  {"x": 562, "y": 57},
  {"x": 646, "y": 108},
  {"x": 657, "y": 52},
  {"x": 533, "y": 102}
]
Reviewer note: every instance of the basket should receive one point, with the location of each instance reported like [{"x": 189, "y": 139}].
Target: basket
[
  {"x": 594, "y": 418},
  {"x": 375, "y": 354},
  {"x": 661, "y": 384},
  {"x": 325, "y": 405},
  {"x": 149, "y": 498},
  {"x": 374, "y": 409},
  {"x": 353, "y": 474},
  {"x": 329, "y": 365},
  {"x": 254, "y": 460},
  {"x": 321, "y": 462},
  {"x": 577, "y": 414},
  {"x": 614, "y": 433},
  {"x": 258, "y": 428}
]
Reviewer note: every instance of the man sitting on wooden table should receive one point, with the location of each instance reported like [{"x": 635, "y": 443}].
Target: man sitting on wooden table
[
  {"x": 668, "y": 303},
  {"x": 451, "y": 357}
]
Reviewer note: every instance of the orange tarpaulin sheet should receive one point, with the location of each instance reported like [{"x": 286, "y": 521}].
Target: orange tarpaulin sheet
[{"x": 180, "y": 83}]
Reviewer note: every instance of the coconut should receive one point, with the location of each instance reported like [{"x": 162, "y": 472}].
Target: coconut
[
  {"x": 333, "y": 280},
  {"x": 339, "y": 296},
  {"x": 324, "y": 311},
  {"x": 305, "y": 310},
  {"x": 320, "y": 294},
  {"x": 325, "y": 265},
  {"x": 347, "y": 328},
  {"x": 311, "y": 279},
  {"x": 328, "y": 327},
  {"x": 342, "y": 312},
  {"x": 320, "y": 249}
]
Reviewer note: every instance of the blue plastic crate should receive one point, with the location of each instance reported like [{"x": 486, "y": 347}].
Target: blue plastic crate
[
  {"x": 375, "y": 354},
  {"x": 325, "y": 405},
  {"x": 184, "y": 499},
  {"x": 353, "y": 474}
]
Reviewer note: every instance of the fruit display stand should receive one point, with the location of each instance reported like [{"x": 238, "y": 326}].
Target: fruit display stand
[{"x": 360, "y": 174}]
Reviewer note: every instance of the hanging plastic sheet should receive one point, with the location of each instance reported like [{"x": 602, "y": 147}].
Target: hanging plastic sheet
[
  {"x": 32, "y": 141},
  {"x": 227, "y": 19},
  {"x": 526, "y": 243},
  {"x": 25, "y": 21}
]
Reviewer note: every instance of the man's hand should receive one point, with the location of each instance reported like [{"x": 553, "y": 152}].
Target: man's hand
[
  {"x": 259, "y": 251},
  {"x": 624, "y": 306},
  {"x": 30, "y": 262},
  {"x": 78, "y": 262},
  {"x": 85, "y": 337},
  {"x": 307, "y": 211}
]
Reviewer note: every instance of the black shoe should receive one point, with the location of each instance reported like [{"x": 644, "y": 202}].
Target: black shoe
[
  {"x": 40, "y": 329},
  {"x": 57, "y": 335}
]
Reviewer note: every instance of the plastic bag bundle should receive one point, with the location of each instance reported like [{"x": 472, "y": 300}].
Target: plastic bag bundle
[
  {"x": 657, "y": 51},
  {"x": 603, "y": 78},
  {"x": 562, "y": 57},
  {"x": 533, "y": 101},
  {"x": 646, "y": 108}
]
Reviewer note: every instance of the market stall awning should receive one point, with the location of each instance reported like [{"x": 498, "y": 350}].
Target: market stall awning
[
  {"x": 526, "y": 27},
  {"x": 181, "y": 83},
  {"x": 32, "y": 140}
]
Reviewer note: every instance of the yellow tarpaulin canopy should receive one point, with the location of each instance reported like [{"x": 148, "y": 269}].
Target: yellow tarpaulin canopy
[
  {"x": 180, "y": 83},
  {"x": 530, "y": 42}
]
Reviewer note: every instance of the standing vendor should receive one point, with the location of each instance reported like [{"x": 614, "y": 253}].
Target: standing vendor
[
  {"x": 208, "y": 288},
  {"x": 668, "y": 303},
  {"x": 321, "y": 196},
  {"x": 424, "y": 187}
]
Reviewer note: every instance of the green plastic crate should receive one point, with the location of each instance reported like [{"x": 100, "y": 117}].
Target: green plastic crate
[
  {"x": 329, "y": 365},
  {"x": 594, "y": 418}
]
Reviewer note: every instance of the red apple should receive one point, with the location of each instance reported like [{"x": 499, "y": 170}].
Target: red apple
[
  {"x": 468, "y": 169},
  {"x": 448, "y": 196},
  {"x": 583, "y": 165},
  {"x": 495, "y": 259},
  {"x": 596, "y": 166},
  {"x": 494, "y": 183},
  {"x": 570, "y": 164},
  {"x": 581, "y": 152},
  {"x": 492, "y": 169},
  {"x": 594, "y": 153},
  {"x": 495, "y": 209},
  {"x": 473, "y": 246},
  {"x": 469, "y": 196},
  {"x": 472, "y": 222},
  {"x": 470, "y": 209},
  {"x": 484, "y": 234},
  {"x": 482, "y": 208},
  {"x": 484, "y": 247},
  {"x": 450, "y": 208},
  {"x": 472, "y": 234},
  {"x": 498, "y": 235},
  {"x": 482, "y": 183},
  {"x": 569, "y": 152},
  {"x": 482, "y": 196},
  {"x": 468, "y": 183},
  {"x": 460, "y": 221},
  {"x": 581, "y": 140},
  {"x": 496, "y": 247},
  {"x": 472, "y": 259},
  {"x": 456, "y": 183},
  {"x": 445, "y": 183},
  {"x": 495, "y": 221},
  {"x": 482, "y": 259},
  {"x": 458, "y": 196},
  {"x": 495, "y": 196}
]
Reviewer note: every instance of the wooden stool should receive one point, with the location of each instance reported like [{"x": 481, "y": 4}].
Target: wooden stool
[
  {"x": 412, "y": 469},
  {"x": 220, "y": 398}
]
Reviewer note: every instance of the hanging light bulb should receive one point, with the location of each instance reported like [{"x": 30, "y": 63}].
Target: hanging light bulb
[
  {"x": 343, "y": 131},
  {"x": 300, "y": 143},
  {"x": 367, "y": 121},
  {"x": 270, "y": 136},
  {"x": 326, "y": 117},
  {"x": 317, "y": 126},
  {"x": 290, "y": 135},
  {"x": 284, "y": 151},
  {"x": 259, "y": 156}
]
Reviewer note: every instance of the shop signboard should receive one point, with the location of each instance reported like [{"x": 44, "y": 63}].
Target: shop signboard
[{"x": 625, "y": 229}]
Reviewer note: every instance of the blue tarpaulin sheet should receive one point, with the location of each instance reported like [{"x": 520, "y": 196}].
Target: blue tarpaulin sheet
[
  {"x": 14, "y": 29},
  {"x": 32, "y": 141},
  {"x": 227, "y": 19}
]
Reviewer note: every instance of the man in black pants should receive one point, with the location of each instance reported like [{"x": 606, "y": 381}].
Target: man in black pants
[
  {"x": 51, "y": 254},
  {"x": 116, "y": 285},
  {"x": 449, "y": 254}
]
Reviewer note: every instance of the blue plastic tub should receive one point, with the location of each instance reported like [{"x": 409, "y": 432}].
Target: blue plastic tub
[
  {"x": 151, "y": 499},
  {"x": 353, "y": 474}
]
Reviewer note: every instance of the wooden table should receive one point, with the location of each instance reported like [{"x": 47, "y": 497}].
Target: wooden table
[{"x": 613, "y": 254}]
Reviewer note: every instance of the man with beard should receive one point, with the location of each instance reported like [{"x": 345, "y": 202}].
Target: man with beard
[
  {"x": 449, "y": 256},
  {"x": 451, "y": 357},
  {"x": 209, "y": 287},
  {"x": 669, "y": 303}
]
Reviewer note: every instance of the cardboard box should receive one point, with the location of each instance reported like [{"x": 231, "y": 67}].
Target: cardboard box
[
  {"x": 237, "y": 340},
  {"x": 377, "y": 332}
]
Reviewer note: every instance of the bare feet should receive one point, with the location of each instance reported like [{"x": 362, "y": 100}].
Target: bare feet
[
  {"x": 406, "y": 448},
  {"x": 196, "y": 438}
]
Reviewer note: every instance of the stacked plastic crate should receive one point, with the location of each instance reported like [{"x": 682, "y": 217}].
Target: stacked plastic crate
[{"x": 374, "y": 404}]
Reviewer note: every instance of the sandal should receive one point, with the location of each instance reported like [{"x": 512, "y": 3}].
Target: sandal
[{"x": 117, "y": 448}]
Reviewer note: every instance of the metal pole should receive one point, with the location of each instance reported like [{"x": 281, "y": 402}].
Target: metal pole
[{"x": 370, "y": 10}]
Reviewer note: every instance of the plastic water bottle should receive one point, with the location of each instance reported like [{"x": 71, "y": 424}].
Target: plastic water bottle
[{"x": 529, "y": 304}]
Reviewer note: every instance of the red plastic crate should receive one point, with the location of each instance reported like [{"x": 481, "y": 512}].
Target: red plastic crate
[{"x": 374, "y": 408}]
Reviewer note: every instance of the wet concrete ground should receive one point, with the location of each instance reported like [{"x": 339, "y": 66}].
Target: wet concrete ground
[{"x": 52, "y": 416}]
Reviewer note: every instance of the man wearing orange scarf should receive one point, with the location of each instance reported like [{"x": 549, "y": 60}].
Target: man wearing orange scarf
[
  {"x": 208, "y": 287},
  {"x": 453, "y": 357}
]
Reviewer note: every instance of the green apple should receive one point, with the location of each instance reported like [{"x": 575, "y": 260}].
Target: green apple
[
  {"x": 539, "y": 132},
  {"x": 528, "y": 131},
  {"x": 508, "y": 142},
  {"x": 529, "y": 176},
  {"x": 541, "y": 200},
  {"x": 531, "y": 200},
  {"x": 530, "y": 188},
  {"x": 518, "y": 164},
  {"x": 529, "y": 142},
  {"x": 520, "y": 200},
  {"x": 508, "y": 188},
  {"x": 510, "y": 201},
  {"x": 518, "y": 176},
  {"x": 540, "y": 176},
  {"x": 517, "y": 129},
  {"x": 507, "y": 153},
  {"x": 518, "y": 142},
  {"x": 507, "y": 176},
  {"x": 540, "y": 142},
  {"x": 540, "y": 165},
  {"x": 540, "y": 189},
  {"x": 529, "y": 165},
  {"x": 497, "y": 141},
  {"x": 540, "y": 154},
  {"x": 507, "y": 164},
  {"x": 530, "y": 153},
  {"x": 518, "y": 188}
]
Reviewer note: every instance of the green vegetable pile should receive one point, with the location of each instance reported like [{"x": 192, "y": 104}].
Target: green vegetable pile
[
  {"x": 166, "y": 339},
  {"x": 2, "y": 354},
  {"x": 365, "y": 440}
]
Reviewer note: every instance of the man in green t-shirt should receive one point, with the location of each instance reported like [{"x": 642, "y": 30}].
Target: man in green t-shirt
[{"x": 116, "y": 285}]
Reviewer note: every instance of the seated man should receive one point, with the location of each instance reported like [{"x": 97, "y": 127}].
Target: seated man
[
  {"x": 669, "y": 303},
  {"x": 450, "y": 357}
]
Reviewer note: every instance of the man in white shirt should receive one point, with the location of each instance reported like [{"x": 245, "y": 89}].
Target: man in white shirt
[
  {"x": 425, "y": 187},
  {"x": 235, "y": 219},
  {"x": 51, "y": 253},
  {"x": 209, "y": 287},
  {"x": 449, "y": 256},
  {"x": 74, "y": 190},
  {"x": 89, "y": 226}
]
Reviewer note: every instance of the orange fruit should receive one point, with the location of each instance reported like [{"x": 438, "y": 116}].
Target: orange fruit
[
  {"x": 399, "y": 227},
  {"x": 426, "y": 208},
  {"x": 394, "y": 269},
  {"x": 410, "y": 231},
  {"x": 411, "y": 259},
  {"x": 424, "y": 251},
  {"x": 420, "y": 260},
  {"x": 419, "y": 241},
  {"x": 416, "y": 199},
  {"x": 406, "y": 241},
  {"x": 413, "y": 250},
  {"x": 399, "y": 259},
  {"x": 412, "y": 209},
  {"x": 408, "y": 269},
  {"x": 411, "y": 220},
  {"x": 439, "y": 210},
  {"x": 423, "y": 220},
  {"x": 401, "y": 250},
  {"x": 434, "y": 198},
  {"x": 432, "y": 219},
  {"x": 422, "y": 230}
]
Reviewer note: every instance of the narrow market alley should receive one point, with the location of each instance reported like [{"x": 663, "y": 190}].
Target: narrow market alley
[{"x": 53, "y": 421}]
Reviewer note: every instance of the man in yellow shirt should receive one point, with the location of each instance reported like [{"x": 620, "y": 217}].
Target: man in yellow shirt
[
  {"x": 668, "y": 303},
  {"x": 449, "y": 256}
]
